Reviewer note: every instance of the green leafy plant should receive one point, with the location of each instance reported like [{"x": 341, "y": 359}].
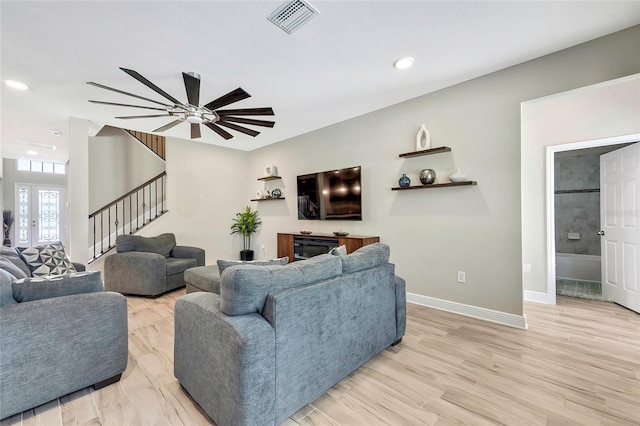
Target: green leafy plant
[{"x": 246, "y": 223}]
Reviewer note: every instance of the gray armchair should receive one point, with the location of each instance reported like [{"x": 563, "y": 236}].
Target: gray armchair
[
  {"x": 59, "y": 334},
  {"x": 149, "y": 266}
]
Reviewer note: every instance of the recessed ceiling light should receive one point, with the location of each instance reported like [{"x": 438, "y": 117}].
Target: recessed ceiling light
[
  {"x": 403, "y": 63},
  {"x": 16, "y": 84},
  {"x": 30, "y": 152},
  {"x": 55, "y": 132}
]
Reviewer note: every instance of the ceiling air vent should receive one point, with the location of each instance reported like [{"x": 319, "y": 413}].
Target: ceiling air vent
[{"x": 292, "y": 15}]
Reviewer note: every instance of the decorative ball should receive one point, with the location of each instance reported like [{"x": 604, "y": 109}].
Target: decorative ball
[
  {"x": 427, "y": 176},
  {"x": 276, "y": 193}
]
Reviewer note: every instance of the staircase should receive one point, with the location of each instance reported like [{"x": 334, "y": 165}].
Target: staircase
[
  {"x": 126, "y": 215},
  {"x": 133, "y": 210},
  {"x": 155, "y": 143}
]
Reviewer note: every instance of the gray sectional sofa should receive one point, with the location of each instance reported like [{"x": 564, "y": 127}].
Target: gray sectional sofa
[
  {"x": 277, "y": 337},
  {"x": 58, "y": 334}
]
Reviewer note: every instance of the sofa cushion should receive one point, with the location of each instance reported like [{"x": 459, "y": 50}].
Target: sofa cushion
[
  {"x": 244, "y": 288},
  {"x": 365, "y": 257},
  {"x": 36, "y": 288},
  {"x": 10, "y": 255},
  {"x": 12, "y": 269},
  {"x": 49, "y": 259},
  {"x": 6, "y": 293},
  {"x": 204, "y": 278},
  {"x": 224, "y": 264},
  {"x": 176, "y": 265},
  {"x": 160, "y": 244}
]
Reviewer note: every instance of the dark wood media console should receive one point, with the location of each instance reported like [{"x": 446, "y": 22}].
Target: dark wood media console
[{"x": 286, "y": 242}]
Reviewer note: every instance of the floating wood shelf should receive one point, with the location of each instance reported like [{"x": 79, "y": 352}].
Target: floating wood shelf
[
  {"x": 270, "y": 178},
  {"x": 435, "y": 185},
  {"x": 267, "y": 199},
  {"x": 437, "y": 150}
]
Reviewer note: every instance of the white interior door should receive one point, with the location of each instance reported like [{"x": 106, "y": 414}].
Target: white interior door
[
  {"x": 620, "y": 225},
  {"x": 41, "y": 212}
]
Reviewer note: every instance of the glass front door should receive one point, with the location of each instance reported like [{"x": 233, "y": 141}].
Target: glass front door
[{"x": 40, "y": 218}]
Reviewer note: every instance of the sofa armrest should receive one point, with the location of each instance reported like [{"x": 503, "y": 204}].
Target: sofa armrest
[
  {"x": 227, "y": 364},
  {"x": 401, "y": 307},
  {"x": 189, "y": 252},
  {"x": 79, "y": 266},
  {"x": 53, "y": 347},
  {"x": 142, "y": 271}
]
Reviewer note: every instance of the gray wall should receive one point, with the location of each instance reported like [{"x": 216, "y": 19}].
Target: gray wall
[
  {"x": 577, "y": 205},
  {"x": 118, "y": 163}
]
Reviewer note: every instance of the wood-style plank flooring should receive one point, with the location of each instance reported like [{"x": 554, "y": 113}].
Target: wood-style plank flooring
[{"x": 578, "y": 363}]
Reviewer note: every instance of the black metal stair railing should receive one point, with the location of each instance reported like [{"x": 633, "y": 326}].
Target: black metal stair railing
[{"x": 127, "y": 214}]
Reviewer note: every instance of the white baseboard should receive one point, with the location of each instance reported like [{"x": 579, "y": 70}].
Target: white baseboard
[
  {"x": 536, "y": 296},
  {"x": 511, "y": 320}
]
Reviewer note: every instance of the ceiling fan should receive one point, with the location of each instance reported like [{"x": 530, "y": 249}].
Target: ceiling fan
[{"x": 191, "y": 111}]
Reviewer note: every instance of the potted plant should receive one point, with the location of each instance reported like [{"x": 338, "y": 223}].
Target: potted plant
[
  {"x": 7, "y": 221},
  {"x": 246, "y": 223}
]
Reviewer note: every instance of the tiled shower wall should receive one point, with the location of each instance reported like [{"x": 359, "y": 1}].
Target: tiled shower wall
[{"x": 577, "y": 203}]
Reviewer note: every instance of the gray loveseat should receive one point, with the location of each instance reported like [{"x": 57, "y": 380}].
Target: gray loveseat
[
  {"x": 277, "y": 337},
  {"x": 149, "y": 266},
  {"x": 62, "y": 334}
]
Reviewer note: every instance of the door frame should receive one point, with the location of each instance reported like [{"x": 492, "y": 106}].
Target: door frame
[{"x": 550, "y": 193}]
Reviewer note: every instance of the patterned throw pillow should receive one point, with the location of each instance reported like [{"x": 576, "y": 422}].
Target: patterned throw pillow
[
  {"x": 49, "y": 259},
  {"x": 339, "y": 251}
]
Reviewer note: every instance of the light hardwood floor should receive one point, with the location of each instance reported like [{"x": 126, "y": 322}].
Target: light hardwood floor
[{"x": 578, "y": 363}]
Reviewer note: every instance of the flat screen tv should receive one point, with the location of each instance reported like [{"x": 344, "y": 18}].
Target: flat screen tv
[{"x": 331, "y": 195}]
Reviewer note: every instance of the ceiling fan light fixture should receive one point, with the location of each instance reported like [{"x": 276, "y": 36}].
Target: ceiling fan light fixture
[{"x": 195, "y": 118}]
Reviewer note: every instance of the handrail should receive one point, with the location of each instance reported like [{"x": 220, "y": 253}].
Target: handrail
[
  {"x": 138, "y": 188},
  {"x": 127, "y": 214}
]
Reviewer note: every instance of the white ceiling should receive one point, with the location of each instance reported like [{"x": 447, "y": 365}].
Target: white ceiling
[{"x": 338, "y": 66}]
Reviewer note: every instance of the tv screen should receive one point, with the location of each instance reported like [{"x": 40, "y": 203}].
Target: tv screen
[{"x": 331, "y": 195}]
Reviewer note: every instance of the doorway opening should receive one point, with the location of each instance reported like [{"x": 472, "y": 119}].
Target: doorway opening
[{"x": 565, "y": 233}]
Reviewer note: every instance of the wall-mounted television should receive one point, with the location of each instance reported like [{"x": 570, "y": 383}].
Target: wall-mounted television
[{"x": 330, "y": 195}]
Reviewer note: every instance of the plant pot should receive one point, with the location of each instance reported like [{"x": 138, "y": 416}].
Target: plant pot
[{"x": 246, "y": 255}]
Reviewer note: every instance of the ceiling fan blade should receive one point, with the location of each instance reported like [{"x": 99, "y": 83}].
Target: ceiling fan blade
[
  {"x": 126, "y": 93},
  {"x": 229, "y": 98},
  {"x": 241, "y": 129},
  {"x": 192, "y": 86},
  {"x": 126, "y": 105},
  {"x": 263, "y": 123},
  {"x": 246, "y": 111},
  {"x": 128, "y": 117},
  {"x": 219, "y": 131},
  {"x": 195, "y": 131},
  {"x": 168, "y": 126},
  {"x": 151, "y": 86}
]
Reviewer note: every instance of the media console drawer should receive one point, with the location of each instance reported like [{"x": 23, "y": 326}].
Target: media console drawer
[{"x": 302, "y": 246}]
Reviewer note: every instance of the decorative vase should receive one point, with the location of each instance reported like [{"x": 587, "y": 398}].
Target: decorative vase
[
  {"x": 270, "y": 170},
  {"x": 423, "y": 139},
  {"x": 458, "y": 176},
  {"x": 427, "y": 176},
  {"x": 246, "y": 255},
  {"x": 404, "y": 180}
]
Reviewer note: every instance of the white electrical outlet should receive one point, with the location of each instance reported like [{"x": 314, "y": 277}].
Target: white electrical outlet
[
  {"x": 526, "y": 268},
  {"x": 462, "y": 277}
]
